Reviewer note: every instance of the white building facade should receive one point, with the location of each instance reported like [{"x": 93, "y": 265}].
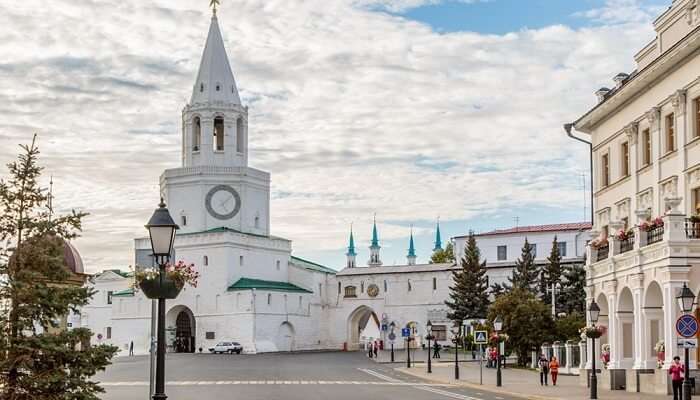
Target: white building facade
[{"x": 645, "y": 133}]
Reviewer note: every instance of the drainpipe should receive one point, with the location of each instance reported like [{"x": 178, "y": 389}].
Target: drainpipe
[
  {"x": 255, "y": 346},
  {"x": 568, "y": 128}
]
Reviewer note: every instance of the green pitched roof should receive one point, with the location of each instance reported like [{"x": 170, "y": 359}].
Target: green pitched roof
[
  {"x": 125, "y": 292},
  {"x": 249, "y": 283},
  {"x": 312, "y": 265},
  {"x": 123, "y": 274},
  {"x": 225, "y": 229}
]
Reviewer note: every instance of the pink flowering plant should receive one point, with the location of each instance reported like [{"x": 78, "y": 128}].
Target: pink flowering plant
[
  {"x": 624, "y": 234},
  {"x": 649, "y": 225},
  {"x": 598, "y": 243},
  {"x": 180, "y": 272}
]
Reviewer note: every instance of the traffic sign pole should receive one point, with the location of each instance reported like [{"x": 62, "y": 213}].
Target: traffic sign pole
[{"x": 481, "y": 366}]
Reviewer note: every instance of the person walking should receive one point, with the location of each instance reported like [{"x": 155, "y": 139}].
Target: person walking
[
  {"x": 370, "y": 349},
  {"x": 436, "y": 350},
  {"x": 131, "y": 348},
  {"x": 675, "y": 370},
  {"x": 554, "y": 370},
  {"x": 544, "y": 367},
  {"x": 376, "y": 348}
]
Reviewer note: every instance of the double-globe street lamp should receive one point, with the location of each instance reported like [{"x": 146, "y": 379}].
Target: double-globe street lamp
[
  {"x": 593, "y": 314},
  {"x": 456, "y": 330},
  {"x": 686, "y": 298},
  {"x": 429, "y": 336},
  {"x": 161, "y": 229},
  {"x": 497, "y": 326}
]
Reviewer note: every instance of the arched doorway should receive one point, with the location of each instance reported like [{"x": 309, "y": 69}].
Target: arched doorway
[
  {"x": 363, "y": 326},
  {"x": 653, "y": 313},
  {"x": 181, "y": 323},
  {"x": 285, "y": 337},
  {"x": 625, "y": 329}
]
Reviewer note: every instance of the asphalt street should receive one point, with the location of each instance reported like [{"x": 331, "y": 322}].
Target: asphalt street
[{"x": 307, "y": 376}]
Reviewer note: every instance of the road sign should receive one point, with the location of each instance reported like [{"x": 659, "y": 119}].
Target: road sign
[
  {"x": 687, "y": 343},
  {"x": 480, "y": 337},
  {"x": 392, "y": 336},
  {"x": 405, "y": 332},
  {"x": 385, "y": 327},
  {"x": 687, "y": 326}
]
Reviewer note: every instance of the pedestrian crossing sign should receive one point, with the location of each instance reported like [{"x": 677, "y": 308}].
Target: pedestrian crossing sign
[{"x": 480, "y": 337}]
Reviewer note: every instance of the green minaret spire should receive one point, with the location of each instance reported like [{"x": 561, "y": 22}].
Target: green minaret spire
[
  {"x": 438, "y": 240},
  {"x": 351, "y": 245},
  {"x": 411, "y": 247},
  {"x": 375, "y": 236}
]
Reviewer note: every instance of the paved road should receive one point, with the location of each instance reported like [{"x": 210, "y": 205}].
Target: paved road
[{"x": 307, "y": 376}]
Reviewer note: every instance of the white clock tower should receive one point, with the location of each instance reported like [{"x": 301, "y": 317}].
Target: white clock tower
[{"x": 214, "y": 187}]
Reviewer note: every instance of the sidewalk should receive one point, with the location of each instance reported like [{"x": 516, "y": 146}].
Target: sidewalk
[
  {"x": 519, "y": 383},
  {"x": 421, "y": 355}
]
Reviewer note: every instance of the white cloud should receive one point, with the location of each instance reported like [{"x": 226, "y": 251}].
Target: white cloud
[{"x": 351, "y": 111}]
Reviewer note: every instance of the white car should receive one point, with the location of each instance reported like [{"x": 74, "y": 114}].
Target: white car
[{"x": 226, "y": 347}]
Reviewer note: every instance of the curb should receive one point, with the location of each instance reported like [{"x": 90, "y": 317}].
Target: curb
[{"x": 475, "y": 386}]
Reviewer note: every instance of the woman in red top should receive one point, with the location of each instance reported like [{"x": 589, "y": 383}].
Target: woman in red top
[{"x": 675, "y": 370}]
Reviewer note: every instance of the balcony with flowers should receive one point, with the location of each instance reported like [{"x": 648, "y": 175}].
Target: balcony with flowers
[{"x": 652, "y": 239}]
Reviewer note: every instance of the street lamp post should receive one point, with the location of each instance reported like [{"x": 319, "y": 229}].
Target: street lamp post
[
  {"x": 456, "y": 331},
  {"x": 429, "y": 336},
  {"x": 593, "y": 314},
  {"x": 161, "y": 229},
  {"x": 497, "y": 326},
  {"x": 392, "y": 335},
  {"x": 408, "y": 348},
  {"x": 554, "y": 288},
  {"x": 686, "y": 298}
]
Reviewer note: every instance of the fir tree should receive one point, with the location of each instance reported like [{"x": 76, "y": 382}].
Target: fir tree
[
  {"x": 526, "y": 274},
  {"x": 573, "y": 295},
  {"x": 469, "y": 298},
  {"x": 551, "y": 273},
  {"x": 39, "y": 359},
  {"x": 498, "y": 289},
  {"x": 446, "y": 255}
]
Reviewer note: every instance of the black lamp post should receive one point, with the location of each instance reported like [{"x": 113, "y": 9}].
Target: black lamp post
[
  {"x": 593, "y": 314},
  {"x": 429, "y": 326},
  {"x": 161, "y": 229},
  {"x": 497, "y": 326},
  {"x": 391, "y": 336},
  {"x": 408, "y": 347},
  {"x": 456, "y": 329},
  {"x": 686, "y": 298}
]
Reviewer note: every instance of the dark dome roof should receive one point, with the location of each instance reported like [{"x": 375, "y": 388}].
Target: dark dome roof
[{"x": 72, "y": 258}]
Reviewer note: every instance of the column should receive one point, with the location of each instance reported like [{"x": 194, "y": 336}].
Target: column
[
  {"x": 568, "y": 349},
  {"x": 653, "y": 116},
  {"x": 615, "y": 328},
  {"x": 640, "y": 340},
  {"x": 584, "y": 363},
  {"x": 671, "y": 313},
  {"x": 681, "y": 125}
]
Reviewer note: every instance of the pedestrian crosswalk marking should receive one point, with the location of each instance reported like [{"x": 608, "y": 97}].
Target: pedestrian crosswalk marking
[
  {"x": 426, "y": 387},
  {"x": 294, "y": 382}
]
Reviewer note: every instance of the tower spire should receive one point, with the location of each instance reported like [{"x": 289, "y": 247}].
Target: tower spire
[
  {"x": 351, "y": 251},
  {"x": 438, "y": 239},
  {"x": 213, "y": 4},
  {"x": 374, "y": 260},
  {"x": 411, "y": 250}
]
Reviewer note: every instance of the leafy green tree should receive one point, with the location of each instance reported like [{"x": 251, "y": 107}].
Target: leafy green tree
[
  {"x": 526, "y": 274},
  {"x": 573, "y": 294},
  {"x": 469, "y": 298},
  {"x": 39, "y": 359},
  {"x": 551, "y": 273},
  {"x": 446, "y": 255},
  {"x": 567, "y": 328},
  {"x": 526, "y": 320}
]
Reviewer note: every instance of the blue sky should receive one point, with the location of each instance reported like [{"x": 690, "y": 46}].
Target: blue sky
[{"x": 503, "y": 16}]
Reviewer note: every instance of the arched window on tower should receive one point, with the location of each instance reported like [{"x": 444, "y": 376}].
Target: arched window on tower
[
  {"x": 239, "y": 135},
  {"x": 196, "y": 133},
  {"x": 218, "y": 134}
]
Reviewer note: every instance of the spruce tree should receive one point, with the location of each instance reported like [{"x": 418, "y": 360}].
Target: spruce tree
[
  {"x": 469, "y": 298},
  {"x": 38, "y": 358},
  {"x": 573, "y": 294},
  {"x": 526, "y": 274},
  {"x": 551, "y": 273}
]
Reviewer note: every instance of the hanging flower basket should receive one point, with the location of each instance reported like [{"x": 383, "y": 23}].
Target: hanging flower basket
[
  {"x": 593, "y": 332},
  {"x": 174, "y": 279},
  {"x": 156, "y": 288}
]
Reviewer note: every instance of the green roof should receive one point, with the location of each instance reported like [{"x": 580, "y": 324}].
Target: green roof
[
  {"x": 225, "y": 229},
  {"x": 123, "y": 274},
  {"x": 249, "y": 283},
  {"x": 306, "y": 264},
  {"x": 125, "y": 292}
]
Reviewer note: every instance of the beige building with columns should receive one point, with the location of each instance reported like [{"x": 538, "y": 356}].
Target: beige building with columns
[{"x": 645, "y": 135}]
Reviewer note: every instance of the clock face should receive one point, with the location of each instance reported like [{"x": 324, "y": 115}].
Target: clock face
[
  {"x": 373, "y": 290},
  {"x": 223, "y": 202}
]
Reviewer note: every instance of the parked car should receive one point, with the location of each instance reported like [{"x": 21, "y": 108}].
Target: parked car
[{"x": 226, "y": 347}]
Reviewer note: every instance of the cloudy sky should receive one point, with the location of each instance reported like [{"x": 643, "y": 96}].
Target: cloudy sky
[{"x": 412, "y": 109}]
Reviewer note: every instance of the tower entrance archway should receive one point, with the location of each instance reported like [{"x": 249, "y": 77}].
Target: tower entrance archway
[
  {"x": 362, "y": 327},
  {"x": 180, "y": 319}
]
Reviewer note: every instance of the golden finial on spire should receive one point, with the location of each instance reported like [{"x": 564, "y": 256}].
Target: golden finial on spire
[{"x": 213, "y": 4}]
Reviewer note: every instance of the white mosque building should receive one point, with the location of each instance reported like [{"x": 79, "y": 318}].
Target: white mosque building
[{"x": 252, "y": 290}]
